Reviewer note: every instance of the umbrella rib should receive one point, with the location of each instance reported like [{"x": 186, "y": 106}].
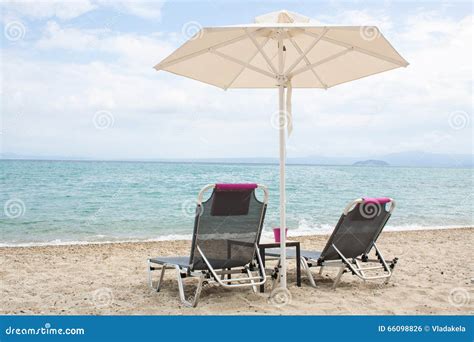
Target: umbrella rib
[
  {"x": 359, "y": 49},
  {"x": 361, "y": 77},
  {"x": 269, "y": 62},
  {"x": 247, "y": 63},
  {"x": 325, "y": 60},
  {"x": 235, "y": 60},
  {"x": 200, "y": 52},
  {"x": 306, "y": 60},
  {"x": 306, "y": 51}
]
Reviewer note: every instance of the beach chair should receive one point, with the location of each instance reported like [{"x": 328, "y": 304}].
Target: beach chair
[
  {"x": 350, "y": 243},
  {"x": 227, "y": 229}
]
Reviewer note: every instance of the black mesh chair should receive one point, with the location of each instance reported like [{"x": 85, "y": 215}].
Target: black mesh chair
[
  {"x": 351, "y": 242},
  {"x": 227, "y": 229}
]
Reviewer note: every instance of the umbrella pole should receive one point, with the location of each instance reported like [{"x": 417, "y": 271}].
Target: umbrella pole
[
  {"x": 282, "y": 118},
  {"x": 282, "y": 126}
]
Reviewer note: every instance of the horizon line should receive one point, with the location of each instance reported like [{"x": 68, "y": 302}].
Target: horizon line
[{"x": 236, "y": 162}]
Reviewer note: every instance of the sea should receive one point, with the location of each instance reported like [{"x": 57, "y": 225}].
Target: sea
[{"x": 76, "y": 202}]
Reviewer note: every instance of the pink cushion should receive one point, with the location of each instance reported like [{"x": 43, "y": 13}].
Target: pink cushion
[
  {"x": 376, "y": 200},
  {"x": 230, "y": 187}
]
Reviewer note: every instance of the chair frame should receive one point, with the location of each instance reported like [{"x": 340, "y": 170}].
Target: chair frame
[
  {"x": 354, "y": 265},
  {"x": 210, "y": 275}
]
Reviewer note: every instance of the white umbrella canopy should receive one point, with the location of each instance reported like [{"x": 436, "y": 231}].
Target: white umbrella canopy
[
  {"x": 246, "y": 56},
  {"x": 283, "y": 50}
]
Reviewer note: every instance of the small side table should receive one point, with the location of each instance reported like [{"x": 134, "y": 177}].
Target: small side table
[{"x": 295, "y": 244}]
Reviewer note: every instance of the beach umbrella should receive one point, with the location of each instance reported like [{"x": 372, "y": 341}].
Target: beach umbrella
[{"x": 282, "y": 50}]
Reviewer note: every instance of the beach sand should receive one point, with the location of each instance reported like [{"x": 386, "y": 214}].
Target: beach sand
[{"x": 433, "y": 276}]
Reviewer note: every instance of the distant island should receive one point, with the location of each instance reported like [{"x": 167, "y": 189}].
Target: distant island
[{"x": 371, "y": 162}]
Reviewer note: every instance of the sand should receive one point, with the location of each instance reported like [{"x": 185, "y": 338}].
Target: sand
[{"x": 434, "y": 275}]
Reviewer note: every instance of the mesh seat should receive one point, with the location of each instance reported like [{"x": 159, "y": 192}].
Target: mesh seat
[
  {"x": 228, "y": 225},
  {"x": 181, "y": 261},
  {"x": 356, "y": 231},
  {"x": 227, "y": 229},
  {"x": 351, "y": 241}
]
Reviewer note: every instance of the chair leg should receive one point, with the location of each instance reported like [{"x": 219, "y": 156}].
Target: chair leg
[
  {"x": 391, "y": 273},
  {"x": 160, "y": 281},
  {"x": 308, "y": 271},
  {"x": 338, "y": 277},
  {"x": 195, "y": 299},
  {"x": 321, "y": 270},
  {"x": 150, "y": 280},
  {"x": 362, "y": 273},
  {"x": 254, "y": 287}
]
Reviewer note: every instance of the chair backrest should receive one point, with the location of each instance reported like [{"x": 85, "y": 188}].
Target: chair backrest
[
  {"x": 358, "y": 228},
  {"x": 227, "y": 226}
]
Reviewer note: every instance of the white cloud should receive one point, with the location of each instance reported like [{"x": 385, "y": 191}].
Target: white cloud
[
  {"x": 48, "y": 107},
  {"x": 141, "y": 8},
  {"x": 358, "y": 18},
  {"x": 56, "y": 37},
  {"x": 70, "y": 9},
  {"x": 427, "y": 25},
  {"x": 130, "y": 48},
  {"x": 61, "y": 9}
]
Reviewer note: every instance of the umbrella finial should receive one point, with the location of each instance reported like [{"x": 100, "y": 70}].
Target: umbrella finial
[{"x": 282, "y": 17}]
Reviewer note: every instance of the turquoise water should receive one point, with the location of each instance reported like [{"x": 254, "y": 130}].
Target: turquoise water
[{"x": 65, "y": 202}]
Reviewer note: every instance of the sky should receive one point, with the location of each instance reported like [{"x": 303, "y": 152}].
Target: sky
[{"x": 77, "y": 81}]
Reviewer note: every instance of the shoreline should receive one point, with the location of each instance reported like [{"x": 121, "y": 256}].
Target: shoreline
[{"x": 187, "y": 239}]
